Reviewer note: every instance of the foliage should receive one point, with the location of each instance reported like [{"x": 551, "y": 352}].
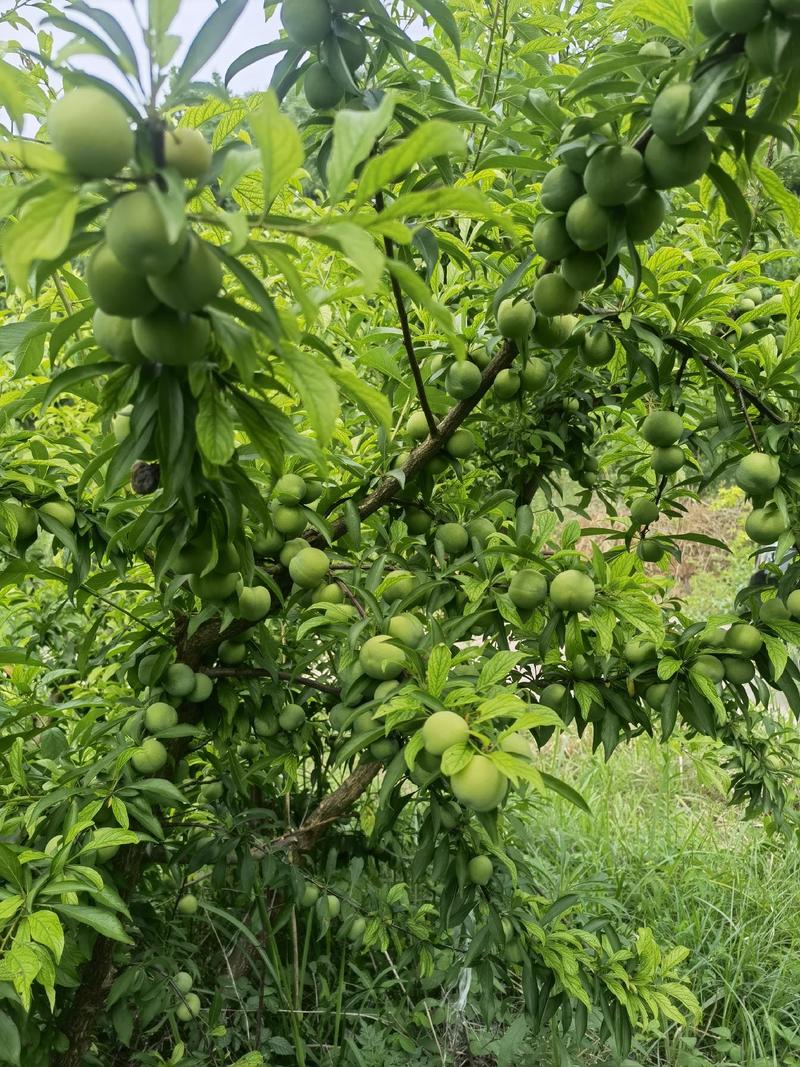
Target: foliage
[{"x": 295, "y": 404}]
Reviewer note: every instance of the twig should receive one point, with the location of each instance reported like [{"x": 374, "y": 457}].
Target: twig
[
  {"x": 295, "y": 945},
  {"x": 348, "y": 593},
  {"x": 262, "y": 672},
  {"x": 65, "y": 300},
  {"x": 504, "y": 5},
  {"x": 408, "y": 341},
  {"x": 388, "y": 486},
  {"x": 719, "y": 371}
]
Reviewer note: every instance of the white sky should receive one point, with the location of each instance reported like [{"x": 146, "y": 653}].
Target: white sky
[{"x": 250, "y": 30}]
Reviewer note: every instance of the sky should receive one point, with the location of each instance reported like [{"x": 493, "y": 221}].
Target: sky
[{"x": 250, "y": 30}]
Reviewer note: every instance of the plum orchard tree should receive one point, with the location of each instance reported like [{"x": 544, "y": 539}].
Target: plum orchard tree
[{"x": 291, "y": 415}]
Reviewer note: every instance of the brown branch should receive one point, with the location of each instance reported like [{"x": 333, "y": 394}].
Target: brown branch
[
  {"x": 329, "y": 810},
  {"x": 719, "y": 371},
  {"x": 430, "y": 447},
  {"x": 349, "y": 594},
  {"x": 79, "y": 1025},
  {"x": 746, "y": 416},
  {"x": 688, "y": 352},
  {"x": 405, "y": 330},
  {"x": 262, "y": 672}
]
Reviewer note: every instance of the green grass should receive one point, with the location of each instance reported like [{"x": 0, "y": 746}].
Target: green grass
[{"x": 662, "y": 840}]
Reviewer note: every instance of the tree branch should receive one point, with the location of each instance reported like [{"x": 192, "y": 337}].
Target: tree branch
[
  {"x": 329, "y": 810},
  {"x": 405, "y": 329},
  {"x": 430, "y": 447},
  {"x": 719, "y": 371},
  {"x": 262, "y": 672},
  {"x": 96, "y": 973}
]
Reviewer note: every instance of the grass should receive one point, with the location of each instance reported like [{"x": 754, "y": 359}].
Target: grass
[{"x": 663, "y": 842}]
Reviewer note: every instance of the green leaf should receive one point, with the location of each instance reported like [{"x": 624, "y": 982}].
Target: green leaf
[
  {"x": 9, "y": 1040},
  {"x": 516, "y": 769},
  {"x": 214, "y": 426},
  {"x": 34, "y": 155},
  {"x": 780, "y": 195},
  {"x": 431, "y": 139},
  {"x": 556, "y": 785},
  {"x": 252, "y": 1059},
  {"x": 667, "y": 667},
  {"x": 411, "y": 750},
  {"x": 13, "y": 91},
  {"x": 438, "y": 669},
  {"x": 45, "y": 928},
  {"x": 104, "y": 922},
  {"x": 94, "y": 41},
  {"x": 456, "y": 758},
  {"x": 501, "y": 705},
  {"x": 360, "y": 248},
  {"x": 113, "y": 30},
  {"x": 778, "y": 654},
  {"x": 707, "y": 688},
  {"x": 441, "y": 13},
  {"x": 109, "y": 837},
  {"x": 42, "y": 231},
  {"x": 354, "y": 134},
  {"x": 280, "y": 145},
  {"x": 209, "y": 37},
  {"x": 738, "y": 208},
  {"x": 540, "y": 715},
  {"x": 670, "y": 15},
  {"x": 8, "y": 907},
  {"x": 67, "y": 380},
  {"x": 316, "y": 388},
  {"x": 160, "y": 790},
  {"x": 498, "y": 668},
  {"x": 253, "y": 55},
  {"x": 370, "y": 400}
]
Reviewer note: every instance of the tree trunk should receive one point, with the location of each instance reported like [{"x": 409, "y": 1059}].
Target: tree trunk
[{"x": 90, "y": 996}]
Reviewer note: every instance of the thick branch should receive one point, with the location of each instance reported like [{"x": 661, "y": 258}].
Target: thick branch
[
  {"x": 329, "y": 810},
  {"x": 431, "y": 446},
  {"x": 79, "y": 1020},
  {"x": 192, "y": 649},
  {"x": 262, "y": 672}
]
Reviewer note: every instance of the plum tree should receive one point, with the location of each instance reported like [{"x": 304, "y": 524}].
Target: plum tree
[{"x": 308, "y": 400}]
